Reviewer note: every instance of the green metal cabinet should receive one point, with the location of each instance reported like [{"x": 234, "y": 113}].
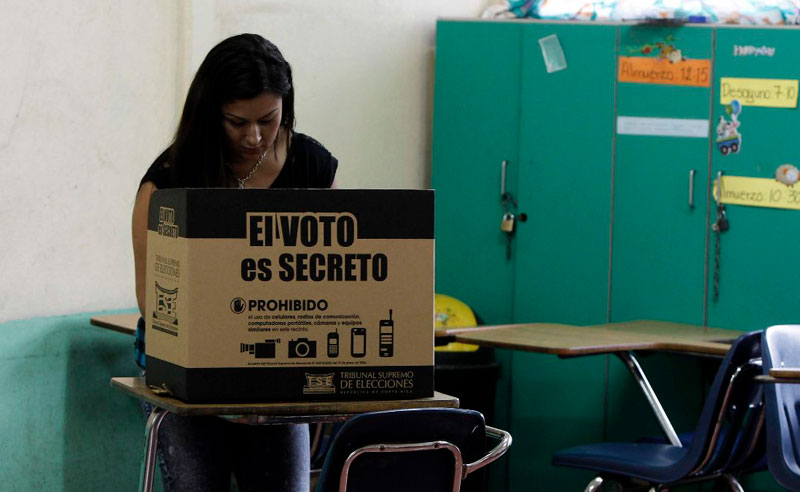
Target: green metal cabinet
[
  {"x": 476, "y": 128},
  {"x": 659, "y": 238},
  {"x": 758, "y": 281},
  {"x": 493, "y": 103},
  {"x": 562, "y": 253},
  {"x": 609, "y": 233},
  {"x": 566, "y": 135}
]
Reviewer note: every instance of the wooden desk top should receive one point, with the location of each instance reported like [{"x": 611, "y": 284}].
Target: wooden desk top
[
  {"x": 785, "y": 372},
  {"x": 554, "y": 338},
  {"x": 295, "y": 412},
  {"x": 571, "y": 340},
  {"x": 122, "y": 323},
  {"x": 781, "y": 375}
]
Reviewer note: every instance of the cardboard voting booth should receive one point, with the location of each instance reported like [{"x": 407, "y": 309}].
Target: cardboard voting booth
[{"x": 290, "y": 295}]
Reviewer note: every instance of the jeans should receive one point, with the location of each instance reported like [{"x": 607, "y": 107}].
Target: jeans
[{"x": 200, "y": 453}]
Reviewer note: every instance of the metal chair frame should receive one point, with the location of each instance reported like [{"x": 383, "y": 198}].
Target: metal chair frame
[
  {"x": 753, "y": 364},
  {"x": 460, "y": 469},
  {"x": 749, "y": 369}
]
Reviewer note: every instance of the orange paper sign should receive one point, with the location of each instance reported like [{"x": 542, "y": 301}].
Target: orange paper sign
[{"x": 648, "y": 70}]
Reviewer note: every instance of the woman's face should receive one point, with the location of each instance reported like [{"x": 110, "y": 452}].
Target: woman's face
[{"x": 251, "y": 126}]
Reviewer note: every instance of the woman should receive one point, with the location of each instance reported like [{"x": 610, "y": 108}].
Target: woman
[{"x": 236, "y": 130}]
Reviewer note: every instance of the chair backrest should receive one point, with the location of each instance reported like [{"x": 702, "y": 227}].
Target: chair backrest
[
  {"x": 728, "y": 412},
  {"x": 740, "y": 446},
  {"x": 782, "y": 349},
  {"x": 417, "y": 471}
]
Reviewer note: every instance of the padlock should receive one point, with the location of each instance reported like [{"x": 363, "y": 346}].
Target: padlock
[
  {"x": 721, "y": 224},
  {"x": 507, "y": 224}
]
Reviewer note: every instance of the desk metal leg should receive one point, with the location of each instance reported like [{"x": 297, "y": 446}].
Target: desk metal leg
[
  {"x": 148, "y": 470},
  {"x": 638, "y": 374}
]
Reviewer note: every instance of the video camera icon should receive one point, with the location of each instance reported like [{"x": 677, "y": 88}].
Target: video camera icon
[{"x": 264, "y": 350}]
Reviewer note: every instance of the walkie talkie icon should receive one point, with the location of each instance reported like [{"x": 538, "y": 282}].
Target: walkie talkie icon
[{"x": 387, "y": 337}]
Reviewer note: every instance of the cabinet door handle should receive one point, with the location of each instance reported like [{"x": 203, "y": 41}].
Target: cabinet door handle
[
  {"x": 503, "y": 166},
  {"x": 691, "y": 187}
]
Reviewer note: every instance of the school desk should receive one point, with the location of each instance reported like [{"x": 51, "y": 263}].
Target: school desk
[
  {"x": 782, "y": 375},
  {"x": 620, "y": 339},
  {"x": 122, "y": 323},
  {"x": 255, "y": 414}
]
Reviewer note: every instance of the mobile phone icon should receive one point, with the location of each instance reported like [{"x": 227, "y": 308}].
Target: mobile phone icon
[
  {"x": 386, "y": 341},
  {"x": 333, "y": 344},
  {"x": 358, "y": 342}
]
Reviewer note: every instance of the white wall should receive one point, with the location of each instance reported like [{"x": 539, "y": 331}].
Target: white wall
[
  {"x": 90, "y": 95},
  {"x": 363, "y": 73},
  {"x": 85, "y": 100}
]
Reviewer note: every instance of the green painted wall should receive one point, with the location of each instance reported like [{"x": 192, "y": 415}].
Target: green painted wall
[{"x": 63, "y": 426}]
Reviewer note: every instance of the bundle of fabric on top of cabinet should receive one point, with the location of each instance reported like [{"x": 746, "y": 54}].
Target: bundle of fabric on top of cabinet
[{"x": 753, "y": 12}]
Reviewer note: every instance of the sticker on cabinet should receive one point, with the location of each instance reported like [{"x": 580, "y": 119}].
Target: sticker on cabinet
[
  {"x": 729, "y": 140},
  {"x": 787, "y": 174},
  {"x": 768, "y": 93},
  {"x": 750, "y": 50},
  {"x": 662, "y": 127},
  {"x": 663, "y": 63},
  {"x": 758, "y": 192},
  {"x": 552, "y": 53},
  {"x": 645, "y": 70}
]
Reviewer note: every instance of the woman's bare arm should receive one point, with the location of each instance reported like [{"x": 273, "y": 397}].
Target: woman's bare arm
[{"x": 139, "y": 235}]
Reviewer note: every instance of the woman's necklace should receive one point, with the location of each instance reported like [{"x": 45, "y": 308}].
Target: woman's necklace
[{"x": 242, "y": 181}]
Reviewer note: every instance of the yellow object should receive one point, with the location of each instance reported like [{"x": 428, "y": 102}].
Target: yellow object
[
  {"x": 758, "y": 192},
  {"x": 769, "y": 93},
  {"x": 449, "y": 312}
]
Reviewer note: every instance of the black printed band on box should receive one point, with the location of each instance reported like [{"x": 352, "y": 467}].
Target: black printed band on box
[{"x": 290, "y": 295}]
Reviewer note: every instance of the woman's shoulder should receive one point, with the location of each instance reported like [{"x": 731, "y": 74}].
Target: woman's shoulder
[
  {"x": 310, "y": 164},
  {"x": 159, "y": 173},
  {"x": 308, "y": 144}
]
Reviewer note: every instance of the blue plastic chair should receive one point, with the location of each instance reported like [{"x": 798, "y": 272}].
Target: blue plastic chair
[
  {"x": 782, "y": 350},
  {"x": 419, "y": 450},
  {"x": 726, "y": 441}
]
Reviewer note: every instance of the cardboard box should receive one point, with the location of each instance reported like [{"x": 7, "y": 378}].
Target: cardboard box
[{"x": 290, "y": 295}]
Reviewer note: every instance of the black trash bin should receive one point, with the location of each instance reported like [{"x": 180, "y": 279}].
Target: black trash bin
[{"x": 472, "y": 377}]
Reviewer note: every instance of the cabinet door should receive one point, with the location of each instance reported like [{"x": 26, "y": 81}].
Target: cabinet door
[
  {"x": 757, "y": 277},
  {"x": 475, "y": 128},
  {"x": 659, "y": 241},
  {"x": 562, "y": 251}
]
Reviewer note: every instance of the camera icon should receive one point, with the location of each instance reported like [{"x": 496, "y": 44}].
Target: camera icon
[{"x": 302, "y": 348}]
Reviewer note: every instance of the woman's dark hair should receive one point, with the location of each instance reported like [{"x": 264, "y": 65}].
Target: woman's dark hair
[{"x": 240, "y": 67}]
